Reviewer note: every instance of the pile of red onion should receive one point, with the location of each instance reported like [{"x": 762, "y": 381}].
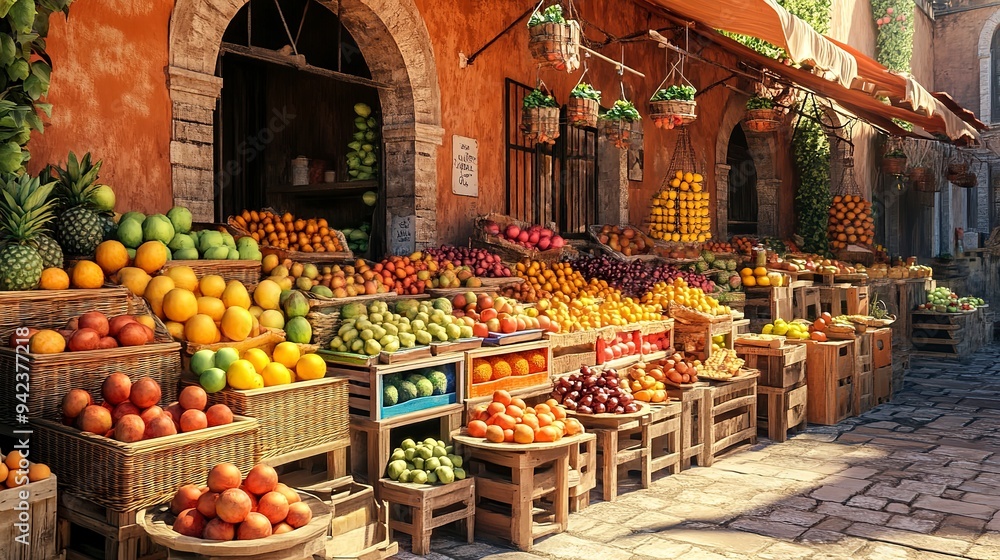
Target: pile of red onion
[
  {"x": 591, "y": 392},
  {"x": 482, "y": 262}
]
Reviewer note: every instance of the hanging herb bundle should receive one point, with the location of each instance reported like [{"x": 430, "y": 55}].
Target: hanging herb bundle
[
  {"x": 622, "y": 110},
  {"x": 585, "y": 91},
  {"x": 552, "y": 14},
  {"x": 675, "y": 93},
  {"x": 537, "y": 98}
]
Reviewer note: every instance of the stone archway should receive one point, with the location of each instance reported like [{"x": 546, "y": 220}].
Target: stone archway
[
  {"x": 396, "y": 45},
  {"x": 763, "y": 148},
  {"x": 990, "y": 27}
]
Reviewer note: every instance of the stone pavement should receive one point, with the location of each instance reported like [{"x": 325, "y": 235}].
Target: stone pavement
[{"x": 916, "y": 478}]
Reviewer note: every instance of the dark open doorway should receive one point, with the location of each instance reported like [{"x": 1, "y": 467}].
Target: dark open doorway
[{"x": 742, "y": 185}]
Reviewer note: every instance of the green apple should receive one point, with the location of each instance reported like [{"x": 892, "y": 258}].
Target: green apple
[
  {"x": 224, "y": 357},
  {"x": 202, "y": 361},
  {"x": 213, "y": 380}
]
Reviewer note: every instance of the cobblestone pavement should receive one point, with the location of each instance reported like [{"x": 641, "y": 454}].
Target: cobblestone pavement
[{"x": 916, "y": 478}]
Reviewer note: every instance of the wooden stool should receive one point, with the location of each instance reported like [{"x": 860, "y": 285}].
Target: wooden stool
[
  {"x": 781, "y": 410},
  {"x": 511, "y": 478},
  {"x": 430, "y": 507},
  {"x": 582, "y": 474},
  {"x": 615, "y": 444},
  {"x": 694, "y": 424},
  {"x": 664, "y": 434}
]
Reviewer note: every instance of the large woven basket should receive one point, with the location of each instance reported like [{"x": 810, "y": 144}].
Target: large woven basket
[
  {"x": 966, "y": 180},
  {"x": 762, "y": 120},
  {"x": 510, "y": 252},
  {"x": 556, "y": 45},
  {"x": 129, "y": 476},
  {"x": 297, "y": 256},
  {"x": 582, "y": 113},
  {"x": 540, "y": 124},
  {"x": 325, "y": 323},
  {"x": 662, "y": 112},
  {"x": 51, "y": 376},
  {"x": 266, "y": 341},
  {"x": 247, "y": 272},
  {"x": 324, "y": 400},
  {"x": 894, "y": 165},
  {"x": 50, "y": 309}
]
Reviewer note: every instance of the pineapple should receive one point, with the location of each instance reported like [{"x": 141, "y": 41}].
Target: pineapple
[
  {"x": 79, "y": 229},
  {"x": 25, "y": 213},
  {"x": 50, "y": 251}
]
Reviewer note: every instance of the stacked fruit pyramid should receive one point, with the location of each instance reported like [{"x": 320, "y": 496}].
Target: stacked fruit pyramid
[
  {"x": 680, "y": 210},
  {"x": 851, "y": 222}
]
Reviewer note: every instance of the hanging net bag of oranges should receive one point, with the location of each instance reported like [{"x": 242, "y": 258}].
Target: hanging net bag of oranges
[
  {"x": 851, "y": 221},
  {"x": 680, "y": 210}
]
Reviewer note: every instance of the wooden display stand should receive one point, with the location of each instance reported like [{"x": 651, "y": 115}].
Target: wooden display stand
[
  {"x": 512, "y": 480},
  {"x": 704, "y": 331},
  {"x": 765, "y": 305},
  {"x": 881, "y": 348},
  {"x": 830, "y": 368},
  {"x": 481, "y": 392},
  {"x": 740, "y": 326},
  {"x": 615, "y": 446},
  {"x": 883, "y": 384},
  {"x": 42, "y": 529},
  {"x": 905, "y": 296},
  {"x": 783, "y": 367},
  {"x": 943, "y": 335},
  {"x": 89, "y": 531},
  {"x": 664, "y": 434},
  {"x": 695, "y": 440},
  {"x": 844, "y": 299},
  {"x": 864, "y": 375},
  {"x": 781, "y": 411},
  {"x": 582, "y": 473},
  {"x": 429, "y": 507},
  {"x": 371, "y": 444},
  {"x": 733, "y": 412},
  {"x": 805, "y": 300}
]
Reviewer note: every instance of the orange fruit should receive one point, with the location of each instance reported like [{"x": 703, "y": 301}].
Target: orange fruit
[
  {"x": 502, "y": 397},
  {"x": 46, "y": 342},
  {"x": 180, "y": 305},
  {"x": 54, "y": 279},
  {"x": 494, "y": 434},
  {"x": 201, "y": 329},
  {"x": 523, "y": 434},
  {"x": 151, "y": 256},
  {"x": 111, "y": 256},
  {"x": 87, "y": 275}
]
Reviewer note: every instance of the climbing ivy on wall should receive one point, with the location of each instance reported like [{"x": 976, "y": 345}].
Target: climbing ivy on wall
[
  {"x": 811, "y": 154},
  {"x": 894, "y": 43},
  {"x": 24, "y": 75}
]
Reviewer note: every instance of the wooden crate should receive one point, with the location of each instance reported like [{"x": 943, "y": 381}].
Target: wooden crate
[
  {"x": 700, "y": 336},
  {"x": 781, "y": 410},
  {"x": 844, "y": 299},
  {"x": 662, "y": 332},
  {"x": 695, "y": 441},
  {"x": 425, "y": 507},
  {"x": 616, "y": 446},
  {"x": 90, "y": 531},
  {"x": 532, "y": 381},
  {"x": 830, "y": 370},
  {"x": 943, "y": 335},
  {"x": 366, "y": 384},
  {"x": 805, "y": 300},
  {"x": 740, "y": 326},
  {"x": 883, "y": 384},
  {"x": 372, "y": 442},
  {"x": 582, "y": 473},
  {"x": 663, "y": 432},
  {"x": 881, "y": 348},
  {"x": 28, "y": 522},
  {"x": 865, "y": 382},
  {"x": 360, "y": 526},
  {"x": 769, "y": 304},
  {"x": 733, "y": 413},
  {"x": 905, "y": 296},
  {"x": 782, "y": 367}
]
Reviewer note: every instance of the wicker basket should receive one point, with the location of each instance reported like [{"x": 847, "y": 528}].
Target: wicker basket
[
  {"x": 51, "y": 376},
  {"x": 247, "y": 272},
  {"x": 617, "y": 132},
  {"x": 957, "y": 168},
  {"x": 582, "y": 113},
  {"x": 297, "y": 256},
  {"x": 325, "y": 324},
  {"x": 266, "y": 341},
  {"x": 762, "y": 120},
  {"x": 894, "y": 165},
  {"x": 275, "y": 407},
  {"x": 129, "y": 476},
  {"x": 556, "y": 45},
  {"x": 662, "y": 112},
  {"x": 510, "y": 252},
  {"x": 50, "y": 309},
  {"x": 540, "y": 124},
  {"x": 966, "y": 180},
  {"x": 923, "y": 180}
]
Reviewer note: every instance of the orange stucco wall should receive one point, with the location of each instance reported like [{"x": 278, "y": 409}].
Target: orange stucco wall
[{"x": 110, "y": 98}]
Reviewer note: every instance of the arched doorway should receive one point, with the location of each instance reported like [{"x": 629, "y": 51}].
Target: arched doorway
[
  {"x": 395, "y": 45},
  {"x": 989, "y": 69},
  {"x": 742, "y": 212}
]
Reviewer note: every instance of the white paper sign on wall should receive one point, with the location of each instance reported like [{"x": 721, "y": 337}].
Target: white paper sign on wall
[
  {"x": 465, "y": 166},
  {"x": 402, "y": 235}
]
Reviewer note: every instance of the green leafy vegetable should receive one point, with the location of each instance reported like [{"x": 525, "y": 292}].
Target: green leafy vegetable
[
  {"x": 758, "y": 102},
  {"x": 552, "y": 14},
  {"x": 675, "y": 93},
  {"x": 622, "y": 111},
  {"x": 895, "y": 154},
  {"x": 585, "y": 91},
  {"x": 537, "y": 98}
]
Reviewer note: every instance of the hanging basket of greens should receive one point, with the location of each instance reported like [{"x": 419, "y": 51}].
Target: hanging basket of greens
[
  {"x": 762, "y": 115},
  {"x": 965, "y": 180},
  {"x": 923, "y": 180},
  {"x": 894, "y": 162},
  {"x": 554, "y": 41},
  {"x": 540, "y": 117},
  {"x": 673, "y": 107},
  {"x": 616, "y": 123},
  {"x": 583, "y": 107}
]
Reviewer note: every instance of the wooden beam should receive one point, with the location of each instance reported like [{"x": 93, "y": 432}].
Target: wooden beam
[{"x": 299, "y": 63}]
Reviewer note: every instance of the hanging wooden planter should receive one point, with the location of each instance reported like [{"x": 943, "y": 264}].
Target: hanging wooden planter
[
  {"x": 957, "y": 168},
  {"x": 965, "y": 180},
  {"x": 923, "y": 180},
  {"x": 672, "y": 113},
  {"x": 556, "y": 45},
  {"x": 582, "y": 113},
  {"x": 540, "y": 124},
  {"x": 762, "y": 120},
  {"x": 894, "y": 165}
]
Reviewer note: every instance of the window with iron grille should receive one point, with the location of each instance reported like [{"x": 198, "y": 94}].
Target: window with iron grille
[{"x": 550, "y": 183}]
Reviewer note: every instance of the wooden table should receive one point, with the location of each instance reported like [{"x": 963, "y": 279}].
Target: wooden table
[{"x": 523, "y": 486}]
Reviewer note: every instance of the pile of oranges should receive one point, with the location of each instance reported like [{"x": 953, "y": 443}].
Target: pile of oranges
[
  {"x": 406, "y": 275},
  {"x": 510, "y": 420},
  {"x": 680, "y": 212},
  {"x": 516, "y": 364},
  {"x": 287, "y": 232},
  {"x": 851, "y": 222},
  {"x": 559, "y": 279},
  {"x": 585, "y": 313},
  {"x": 680, "y": 293}
]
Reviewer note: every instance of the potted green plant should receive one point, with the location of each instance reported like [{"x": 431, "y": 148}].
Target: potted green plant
[
  {"x": 763, "y": 115},
  {"x": 673, "y": 106},
  {"x": 617, "y": 122},
  {"x": 894, "y": 162},
  {"x": 583, "y": 106},
  {"x": 554, "y": 41},
  {"x": 540, "y": 117}
]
